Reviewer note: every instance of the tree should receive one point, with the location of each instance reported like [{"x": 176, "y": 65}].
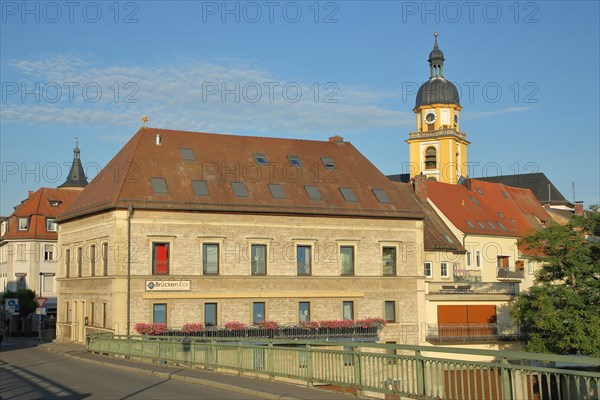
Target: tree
[{"x": 562, "y": 309}]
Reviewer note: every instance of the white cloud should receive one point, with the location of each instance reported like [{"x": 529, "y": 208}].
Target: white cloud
[{"x": 191, "y": 94}]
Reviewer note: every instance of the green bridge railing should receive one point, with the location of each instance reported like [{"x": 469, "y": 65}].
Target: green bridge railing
[{"x": 396, "y": 370}]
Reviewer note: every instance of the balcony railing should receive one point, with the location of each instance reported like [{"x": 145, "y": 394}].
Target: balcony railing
[
  {"x": 425, "y": 134},
  {"x": 472, "y": 332},
  {"x": 508, "y": 288},
  {"x": 467, "y": 275},
  {"x": 502, "y": 273}
]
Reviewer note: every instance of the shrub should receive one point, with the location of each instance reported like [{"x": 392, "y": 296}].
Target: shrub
[
  {"x": 193, "y": 327},
  {"x": 337, "y": 323},
  {"x": 310, "y": 324}
]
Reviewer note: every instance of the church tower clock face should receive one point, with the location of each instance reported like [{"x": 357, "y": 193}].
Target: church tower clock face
[{"x": 430, "y": 117}]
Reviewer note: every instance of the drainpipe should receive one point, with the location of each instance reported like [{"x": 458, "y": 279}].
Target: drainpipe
[{"x": 130, "y": 210}]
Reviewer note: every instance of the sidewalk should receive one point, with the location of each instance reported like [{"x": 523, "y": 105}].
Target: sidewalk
[{"x": 250, "y": 386}]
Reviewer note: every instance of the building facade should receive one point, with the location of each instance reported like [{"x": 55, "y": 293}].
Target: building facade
[{"x": 185, "y": 227}]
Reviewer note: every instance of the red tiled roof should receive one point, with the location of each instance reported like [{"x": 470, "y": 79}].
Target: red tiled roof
[
  {"x": 529, "y": 205},
  {"x": 37, "y": 207},
  {"x": 462, "y": 206},
  {"x": 221, "y": 159}
]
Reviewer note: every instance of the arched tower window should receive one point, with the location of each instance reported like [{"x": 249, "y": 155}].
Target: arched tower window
[{"x": 430, "y": 158}]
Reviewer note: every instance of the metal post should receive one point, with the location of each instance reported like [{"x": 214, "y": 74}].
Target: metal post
[
  {"x": 130, "y": 210},
  {"x": 40, "y": 315}
]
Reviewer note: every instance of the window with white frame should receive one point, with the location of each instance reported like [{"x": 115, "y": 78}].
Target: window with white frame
[
  {"x": 388, "y": 255},
  {"x": 23, "y": 224},
  {"x": 210, "y": 259},
  {"x": 444, "y": 269},
  {"x": 259, "y": 259},
  {"x": 530, "y": 267},
  {"x": 468, "y": 258},
  {"x": 347, "y": 260},
  {"x": 51, "y": 226},
  {"x": 48, "y": 252},
  {"x": 427, "y": 269},
  {"x": 21, "y": 252}
]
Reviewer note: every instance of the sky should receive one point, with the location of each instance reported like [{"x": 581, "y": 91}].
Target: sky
[{"x": 528, "y": 74}]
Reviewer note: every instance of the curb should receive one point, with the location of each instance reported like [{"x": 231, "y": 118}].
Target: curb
[{"x": 186, "y": 379}]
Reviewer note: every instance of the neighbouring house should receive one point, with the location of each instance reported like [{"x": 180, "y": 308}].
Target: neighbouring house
[
  {"x": 29, "y": 253},
  {"x": 184, "y": 227}
]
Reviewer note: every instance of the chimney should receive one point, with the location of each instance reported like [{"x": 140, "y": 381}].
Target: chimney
[
  {"x": 158, "y": 139},
  {"x": 579, "y": 208},
  {"x": 337, "y": 139},
  {"x": 29, "y": 193},
  {"x": 420, "y": 186},
  {"x": 468, "y": 183}
]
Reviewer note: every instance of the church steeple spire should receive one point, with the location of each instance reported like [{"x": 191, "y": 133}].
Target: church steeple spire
[
  {"x": 76, "y": 178},
  {"x": 436, "y": 60}
]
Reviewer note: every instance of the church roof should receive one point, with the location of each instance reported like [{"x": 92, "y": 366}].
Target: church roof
[
  {"x": 76, "y": 178},
  {"x": 437, "y": 90},
  {"x": 536, "y": 182},
  {"x": 177, "y": 170}
]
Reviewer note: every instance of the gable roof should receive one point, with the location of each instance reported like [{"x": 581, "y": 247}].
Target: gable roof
[
  {"x": 220, "y": 160},
  {"x": 536, "y": 182},
  {"x": 37, "y": 208}
]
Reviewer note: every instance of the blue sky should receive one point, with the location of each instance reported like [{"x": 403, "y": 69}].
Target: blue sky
[{"x": 528, "y": 73}]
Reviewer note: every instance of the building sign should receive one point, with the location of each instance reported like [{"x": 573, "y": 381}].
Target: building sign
[
  {"x": 156, "y": 286},
  {"x": 12, "y": 305}
]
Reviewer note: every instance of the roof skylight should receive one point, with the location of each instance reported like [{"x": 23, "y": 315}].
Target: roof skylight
[
  {"x": 200, "y": 188},
  {"x": 328, "y": 163},
  {"x": 239, "y": 189},
  {"x": 348, "y": 195},
  {"x": 381, "y": 195},
  {"x": 313, "y": 192},
  {"x": 187, "y": 154},
  {"x": 159, "y": 185},
  {"x": 276, "y": 191}
]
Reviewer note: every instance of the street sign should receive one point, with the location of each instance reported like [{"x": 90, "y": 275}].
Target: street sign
[
  {"x": 40, "y": 301},
  {"x": 12, "y": 305},
  {"x": 41, "y": 310}
]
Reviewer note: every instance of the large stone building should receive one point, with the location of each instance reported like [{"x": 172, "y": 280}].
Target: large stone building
[
  {"x": 186, "y": 227},
  {"x": 28, "y": 237}
]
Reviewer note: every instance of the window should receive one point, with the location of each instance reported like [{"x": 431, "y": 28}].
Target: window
[
  {"x": 501, "y": 215},
  {"x": 239, "y": 189},
  {"x": 348, "y": 310},
  {"x": 48, "y": 282},
  {"x": 187, "y": 154},
  {"x": 91, "y": 322},
  {"x": 444, "y": 269},
  {"x": 475, "y": 200},
  {"x": 259, "y": 259},
  {"x": 303, "y": 260},
  {"x": 200, "y": 188},
  {"x": 276, "y": 191},
  {"x": 159, "y": 313},
  {"x": 313, "y": 192},
  {"x": 159, "y": 185},
  {"x": 390, "y": 311},
  {"x": 468, "y": 258},
  {"x": 93, "y": 260},
  {"x": 104, "y": 259},
  {"x": 68, "y": 263},
  {"x": 427, "y": 269},
  {"x": 470, "y": 224},
  {"x": 328, "y": 163},
  {"x": 55, "y": 203},
  {"x": 381, "y": 195},
  {"x": 21, "y": 252},
  {"x": 67, "y": 311},
  {"x": 21, "y": 282},
  {"x": 503, "y": 262},
  {"x": 210, "y": 259},
  {"x": 481, "y": 225},
  {"x": 430, "y": 158},
  {"x": 304, "y": 311},
  {"x": 104, "y": 315},
  {"x": 23, "y": 224},
  {"x": 530, "y": 267},
  {"x": 501, "y": 225},
  {"x": 3, "y": 227},
  {"x": 160, "y": 258},
  {"x": 347, "y": 259},
  {"x": 258, "y": 312},
  {"x": 295, "y": 161},
  {"x": 478, "y": 258},
  {"x": 260, "y": 158},
  {"x": 389, "y": 261},
  {"x": 51, "y": 226},
  {"x": 48, "y": 252},
  {"x": 210, "y": 314},
  {"x": 79, "y": 262},
  {"x": 491, "y": 225},
  {"x": 348, "y": 195}
]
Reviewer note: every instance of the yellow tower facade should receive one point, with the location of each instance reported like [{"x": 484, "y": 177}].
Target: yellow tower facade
[{"x": 438, "y": 148}]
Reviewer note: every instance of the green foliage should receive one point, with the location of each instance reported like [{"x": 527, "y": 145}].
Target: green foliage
[
  {"x": 26, "y": 300},
  {"x": 562, "y": 309}
]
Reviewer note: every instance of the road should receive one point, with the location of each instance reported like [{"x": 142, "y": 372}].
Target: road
[{"x": 32, "y": 373}]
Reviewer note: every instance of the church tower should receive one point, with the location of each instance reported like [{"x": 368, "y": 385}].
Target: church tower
[
  {"x": 76, "y": 178},
  {"x": 438, "y": 148}
]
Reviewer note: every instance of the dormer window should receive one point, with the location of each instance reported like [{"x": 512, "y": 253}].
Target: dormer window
[
  {"x": 55, "y": 203},
  {"x": 23, "y": 224},
  {"x": 328, "y": 163},
  {"x": 3, "y": 227},
  {"x": 260, "y": 159},
  {"x": 51, "y": 226}
]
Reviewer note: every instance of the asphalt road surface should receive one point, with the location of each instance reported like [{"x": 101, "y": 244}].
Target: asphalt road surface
[{"x": 32, "y": 373}]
